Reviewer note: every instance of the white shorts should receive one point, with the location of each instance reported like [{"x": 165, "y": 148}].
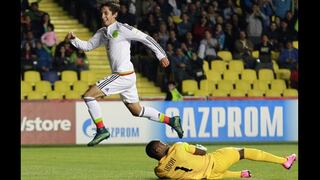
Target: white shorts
[{"x": 123, "y": 84}]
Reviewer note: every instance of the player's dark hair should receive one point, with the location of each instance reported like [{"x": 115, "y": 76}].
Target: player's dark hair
[
  {"x": 151, "y": 149},
  {"x": 113, "y": 5}
]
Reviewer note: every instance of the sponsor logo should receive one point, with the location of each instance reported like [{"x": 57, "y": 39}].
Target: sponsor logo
[
  {"x": 38, "y": 124},
  {"x": 88, "y": 128}
]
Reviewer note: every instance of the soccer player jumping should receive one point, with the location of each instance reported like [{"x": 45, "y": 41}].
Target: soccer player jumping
[
  {"x": 117, "y": 37},
  {"x": 185, "y": 161}
]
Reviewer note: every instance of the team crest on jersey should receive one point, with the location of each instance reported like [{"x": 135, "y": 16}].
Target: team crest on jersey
[{"x": 115, "y": 33}]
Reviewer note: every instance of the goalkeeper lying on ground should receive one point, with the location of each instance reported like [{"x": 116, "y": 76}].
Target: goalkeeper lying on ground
[{"x": 185, "y": 161}]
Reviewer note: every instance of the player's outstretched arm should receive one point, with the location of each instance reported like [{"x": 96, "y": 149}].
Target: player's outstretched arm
[
  {"x": 200, "y": 150},
  {"x": 91, "y": 44}
]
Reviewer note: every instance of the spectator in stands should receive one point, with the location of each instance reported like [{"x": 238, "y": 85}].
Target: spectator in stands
[
  {"x": 61, "y": 61},
  {"x": 229, "y": 36},
  {"x": 266, "y": 9},
  {"x": 195, "y": 67},
  {"x": 166, "y": 8},
  {"x": 273, "y": 34},
  {"x": 28, "y": 57},
  {"x": 220, "y": 36},
  {"x": 291, "y": 20},
  {"x": 35, "y": 15},
  {"x": 286, "y": 34},
  {"x": 147, "y": 6},
  {"x": 229, "y": 10},
  {"x": 163, "y": 34},
  {"x": 281, "y": 7},
  {"x": 29, "y": 39},
  {"x": 190, "y": 42},
  {"x": 26, "y": 24},
  {"x": 288, "y": 57},
  {"x": 179, "y": 67},
  {"x": 171, "y": 26},
  {"x": 184, "y": 26},
  {"x": 79, "y": 61},
  {"x": 207, "y": 47},
  {"x": 49, "y": 39},
  {"x": 211, "y": 14},
  {"x": 200, "y": 28},
  {"x": 238, "y": 23},
  {"x": 45, "y": 21},
  {"x": 243, "y": 50},
  {"x": 172, "y": 93},
  {"x": 150, "y": 25},
  {"x": 44, "y": 58},
  {"x": 125, "y": 16},
  {"x": 173, "y": 39},
  {"x": 158, "y": 14},
  {"x": 255, "y": 21},
  {"x": 193, "y": 12},
  {"x": 264, "y": 48}
]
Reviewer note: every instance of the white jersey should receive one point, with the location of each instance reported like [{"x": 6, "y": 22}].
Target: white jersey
[{"x": 116, "y": 38}]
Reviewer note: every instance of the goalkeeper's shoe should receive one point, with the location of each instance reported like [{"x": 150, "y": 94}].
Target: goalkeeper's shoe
[
  {"x": 290, "y": 161},
  {"x": 175, "y": 123},
  {"x": 102, "y": 133},
  {"x": 245, "y": 174}
]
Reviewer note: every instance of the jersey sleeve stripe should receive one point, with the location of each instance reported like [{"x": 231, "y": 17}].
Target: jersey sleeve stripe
[{"x": 155, "y": 44}]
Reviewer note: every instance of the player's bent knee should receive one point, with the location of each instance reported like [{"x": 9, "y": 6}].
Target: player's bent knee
[
  {"x": 135, "y": 113},
  {"x": 241, "y": 152}
]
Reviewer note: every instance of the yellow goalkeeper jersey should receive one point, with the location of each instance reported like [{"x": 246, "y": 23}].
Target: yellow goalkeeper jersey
[{"x": 181, "y": 163}]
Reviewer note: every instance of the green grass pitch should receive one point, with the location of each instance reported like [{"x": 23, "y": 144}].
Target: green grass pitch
[{"x": 130, "y": 162}]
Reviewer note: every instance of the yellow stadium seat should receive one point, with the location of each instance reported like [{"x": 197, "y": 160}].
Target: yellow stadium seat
[
  {"x": 236, "y": 66},
  {"x": 88, "y": 76},
  {"x": 243, "y": 85},
  {"x": 201, "y": 93},
  {"x": 176, "y": 19},
  {"x": 207, "y": 85},
  {"x": 295, "y": 44},
  {"x": 213, "y": 76},
  {"x": 278, "y": 84},
  {"x": 290, "y": 93},
  {"x": 225, "y": 55},
  {"x": 275, "y": 66},
  {"x": 273, "y": 93},
  {"x": 26, "y": 87},
  {"x": 219, "y": 93},
  {"x": 261, "y": 85},
  {"x": 255, "y": 54},
  {"x": 230, "y": 76},
  {"x": 72, "y": 95},
  {"x": 283, "y": 74},
  {"x": 80, "y": 86},
  {"x": 189, "y": 86},
  {"x": 69, "y": 76},
  {"x": 218, "y": 66},
  {"x": 249, "y": 75},
  {"x": 34, "y": 95},
  {"x": 61, "y": 86},
  {"x": 43, "y": 87},
  {"x": 275, "y": 54},
  {"x": 32, "y": 77},
  {"x": 237, "y": 93},
  {"x": 255, "y": 93},
  {"x": 225, "y": 85},
  {"x": 266, "y": 75},
  {"x": 205, "y": 66},
  {"x": 54, "y": 95}
]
